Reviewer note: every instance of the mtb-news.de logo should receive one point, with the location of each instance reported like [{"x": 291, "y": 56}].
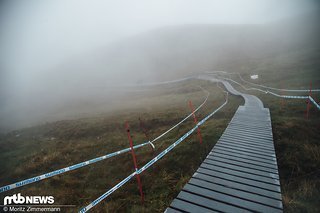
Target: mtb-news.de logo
[
  {"x": 19, "y": 199},
  {"x": 19, "y": 203}
]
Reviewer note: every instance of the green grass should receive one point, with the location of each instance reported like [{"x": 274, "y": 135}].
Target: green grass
[
  {"x": 52, "y": 146},
  {"x": 55, "y": 145}
]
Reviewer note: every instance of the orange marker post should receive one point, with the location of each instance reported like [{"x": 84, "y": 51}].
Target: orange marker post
[
  {"x": 195, "y": 121},
  {"x": 135, "y": 162}
]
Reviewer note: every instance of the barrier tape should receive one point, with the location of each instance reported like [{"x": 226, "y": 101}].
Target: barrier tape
[
  {"x": 266, "y": 87},
  {"x": 66, "y": 169},
  {"x": 277, "y": 95},
  {"x": 95, "y": 160},
  {"x": 163, "y": 134},
  {"x": 151, "y": 162},
  {"x": 273, "y": 88},
  {"x": 113, "y": 189},
  {"x": 314, "y": 102}
]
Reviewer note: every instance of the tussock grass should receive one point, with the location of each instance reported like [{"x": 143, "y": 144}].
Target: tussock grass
[{"x": 55, "y": 145}]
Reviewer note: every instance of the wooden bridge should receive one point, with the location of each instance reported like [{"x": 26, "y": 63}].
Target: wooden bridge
[{"x": 240, "y": 174}]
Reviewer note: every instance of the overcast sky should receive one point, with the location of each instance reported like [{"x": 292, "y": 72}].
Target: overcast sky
[{"x": 36, "y": 34}]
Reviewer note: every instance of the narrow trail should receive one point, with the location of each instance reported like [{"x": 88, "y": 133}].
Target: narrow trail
[{"x": 240, "y": 174}]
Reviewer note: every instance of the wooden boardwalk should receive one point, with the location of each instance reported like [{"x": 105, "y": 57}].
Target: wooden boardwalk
[{"x": 240, "y": 174}]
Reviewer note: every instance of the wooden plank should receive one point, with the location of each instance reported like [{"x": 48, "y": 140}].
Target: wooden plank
[
  {"x": 237, "y": 193},
  {"x": 259, "y": 116},
  {"x": 248, "y": 139},
  {"x": 246, "y": 129},
  {"x": 239, "y": 148},
  {"x": 250, "y": 205},
  {"x": 244, "y": 116},
  {"x": 210, "y": 203},
  {"x": 243, "y": 160},
  {"x": 261, "y": 137},
  {"x": 244, "y": 153},
  {"x": 239, "y": 166},
  {"x": 242, "y": 163},
  {"x": 260, "y": 123},
  {"x": 240, "y": 145},
  {"x": 236, "y": 131},
  {"x": 241, "y": 142},
  {"x": 238, "y": 185},
  {"x": 245, "y": 126},
  {"x": 246, "y": 157},
  {"x": 186, "y": 206},
  {"x": 251, "y": 125},
  {"x": 253, "y": 177},
  {"x": 243, "y": 135},
  {"x": 246, "y": 143}
]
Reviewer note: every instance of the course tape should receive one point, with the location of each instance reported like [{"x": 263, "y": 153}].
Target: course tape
[
  {"x": 166, "y": 132},
  {"x": 273, "y": 88},
  {"x": 277, "y": 95},
  {"x": 266, "y": 87},
  {"x": 314, "y": 102},
  {"x": 66, "y": 169},
  {"x": 151, "y": 162},
  {"x": 95, "y": 160}
]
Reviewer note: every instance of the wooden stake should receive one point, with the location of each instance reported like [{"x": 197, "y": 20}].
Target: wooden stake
[
  {"x": 135, "y": 162},
  {"x": 195, "y": 121}
]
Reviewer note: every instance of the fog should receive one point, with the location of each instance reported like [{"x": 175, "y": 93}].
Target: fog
[{"x": 57, "y": 55}]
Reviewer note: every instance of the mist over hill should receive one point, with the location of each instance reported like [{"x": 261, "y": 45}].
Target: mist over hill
[
  {"x": 86, "y": 86},
  {"x": 173, "y": 51}
]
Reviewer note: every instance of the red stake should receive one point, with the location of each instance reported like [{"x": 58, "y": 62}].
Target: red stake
[
  {"x": 195, "y": 121},
  {"x": 308, "y": 106},
  {"x": 135, "y": 162}
]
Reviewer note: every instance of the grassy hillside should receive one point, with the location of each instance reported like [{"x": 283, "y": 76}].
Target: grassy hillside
[
  {"x": 63, "y": 143},
  {"x": 32, "y": 151},
  {"x": 285, "y": 55}
]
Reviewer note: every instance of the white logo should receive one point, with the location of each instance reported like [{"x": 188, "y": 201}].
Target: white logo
[{"x": 19, "y": 199}]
